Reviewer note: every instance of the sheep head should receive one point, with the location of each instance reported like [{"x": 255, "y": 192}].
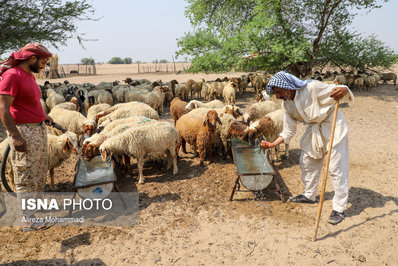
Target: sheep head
[
  {"x": 212, "y": 119},
  {"x": 156, "y": 83},
  {"x": 246, "y": 119},
  {"x": 234, "y": 85},
  {"x": 88, "y": 129},
  {"x": 238, "y": 130},
  {"x": 260, "y": 97},
  {"x": 89, "y": 151},
  {"x": 91, "y": 100},
  {"x": 75, "y": 101},
  {"x": 127, "y": 80},
  {"x": 71, "y": 143},
  {"x": 244, "y": 132}
]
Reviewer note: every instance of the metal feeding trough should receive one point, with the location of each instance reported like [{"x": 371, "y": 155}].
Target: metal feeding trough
[{"x": 253, "y": 167}]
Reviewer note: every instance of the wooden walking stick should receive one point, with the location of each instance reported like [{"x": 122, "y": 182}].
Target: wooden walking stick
[{"x": 325, "y": 174}]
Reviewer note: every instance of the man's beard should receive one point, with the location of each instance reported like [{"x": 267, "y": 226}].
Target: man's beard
[{"x": 35, "y": 67}]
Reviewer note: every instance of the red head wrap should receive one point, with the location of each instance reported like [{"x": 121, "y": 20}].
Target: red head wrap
[{"x": 26, "y": 52}]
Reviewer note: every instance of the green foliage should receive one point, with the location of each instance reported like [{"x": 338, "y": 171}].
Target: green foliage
[
  {"x": 163, "y": 61},
  {"x": 87, "y": 61},
  {"x": 128, "y": 60},
  {"x": 356, "y": 52},
  {"x": 285, "y": 34},
  {"x": 49, "y": 22},
  {"x": 116, "y": 60}
]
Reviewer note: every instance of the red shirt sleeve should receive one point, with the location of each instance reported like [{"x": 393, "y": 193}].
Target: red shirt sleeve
[{"x": 9, "y": 84}]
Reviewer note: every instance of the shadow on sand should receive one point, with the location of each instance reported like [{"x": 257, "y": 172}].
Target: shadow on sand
[{"x": 360, "y": 199}]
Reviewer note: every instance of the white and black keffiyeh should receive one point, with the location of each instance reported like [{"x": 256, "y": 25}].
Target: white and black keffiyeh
[{"x": 286, "y": 81}]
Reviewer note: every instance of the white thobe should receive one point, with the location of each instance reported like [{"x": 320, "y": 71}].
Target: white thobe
[{"x": 313, "y": 106}]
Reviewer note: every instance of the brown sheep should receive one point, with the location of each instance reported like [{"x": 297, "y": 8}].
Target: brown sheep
[
  {"x": 199, "y": 133},
  {"x": 388, "y": 76},
  {"x": 177, "y": 109},
  {"x": 195, "y": 87},
  {"x": 242, "y": 131}
]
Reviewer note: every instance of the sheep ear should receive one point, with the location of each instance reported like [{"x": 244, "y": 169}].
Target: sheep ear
[
  {"x": 219, "y": 121},
  {"x": 205, "y": 122},
  {"x": 104, "y": 154},
  {"x": 66, "y": 146}
]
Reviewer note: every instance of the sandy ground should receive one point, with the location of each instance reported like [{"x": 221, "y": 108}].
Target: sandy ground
[{"x": 187, "y": 219}]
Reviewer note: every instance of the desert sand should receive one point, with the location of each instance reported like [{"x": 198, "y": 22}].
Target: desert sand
[{"x": 188, "y": 219}]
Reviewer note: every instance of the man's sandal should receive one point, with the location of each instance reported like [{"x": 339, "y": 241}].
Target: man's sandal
[{"x": 37, "y": 226}]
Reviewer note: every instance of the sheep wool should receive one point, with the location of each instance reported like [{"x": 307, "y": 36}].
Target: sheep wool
[{"x": 152, "y": 141}]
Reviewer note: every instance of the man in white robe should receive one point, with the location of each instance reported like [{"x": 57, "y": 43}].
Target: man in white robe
[{"x": 312, "y": 103}]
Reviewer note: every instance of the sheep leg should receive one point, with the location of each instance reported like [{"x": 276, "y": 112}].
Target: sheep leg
[
  {"x": 173, "y": 156},
  {"x": 168, "y": 158},
  {"x": 140, "y": 164},
  {"x": 52, "y": 178},
  {"x": 208, "y": 151},
  {"x": 195, "y": 149},
  {"x": 226, "y": 149},
  {"x": 277, "y": 149},
  {"x": 286, "y": 151},
  {"x": 202, "y": 152},
  {"x": 184, "y": 145}
]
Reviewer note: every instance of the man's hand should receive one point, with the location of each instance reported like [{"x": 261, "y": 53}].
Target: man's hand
[
  {"x": 267, "y": 145},
  {"x": 49, "y": 121},
  {"x": 19, "y": 144},
  {"x": 338, "y": 92}
]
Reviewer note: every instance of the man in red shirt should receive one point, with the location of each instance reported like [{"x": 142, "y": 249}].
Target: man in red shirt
[{"x": 23, "y": 116}]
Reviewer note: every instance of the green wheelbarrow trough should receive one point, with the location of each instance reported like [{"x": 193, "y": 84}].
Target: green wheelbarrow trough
[{"x": 253, "y": 167}]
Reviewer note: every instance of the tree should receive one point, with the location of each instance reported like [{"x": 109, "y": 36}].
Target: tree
[
  {"x": 116, "y": 60},
  {"x": 49, "y": 22},
  {"x": 128, "y": 60},
  {"x": 87, "y": 61},
  {"x": 296, "y": 35},
  {"x": 163, "y": 61}
]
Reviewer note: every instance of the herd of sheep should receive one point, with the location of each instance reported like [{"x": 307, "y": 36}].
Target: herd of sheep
[
  {"x": 359, "y": 81},
  {"x": 123, "y": 120}
]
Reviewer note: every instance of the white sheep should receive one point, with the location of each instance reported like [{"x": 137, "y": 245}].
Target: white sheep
[
  {"x": 115, "y": 127},
  {"x": 216, "y": 88},
  {"x": 211, "y": 105},
  {"x": 73, "y": 121},
  {"x": 96, "y": 109},
  {"x": 229, "y": 93},
  {"x": 272, "y": 130},
  {"x": 124, "y": 110},
  {"x": 260, "y": 109},
  {"x": 53, "y": 99},
  {"x": 153, "y": 141},
  {"x": 66, "y": 106},
  {"x": 59, "y": 149}
]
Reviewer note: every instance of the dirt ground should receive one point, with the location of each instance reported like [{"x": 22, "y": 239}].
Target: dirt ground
[{"x": 187, "y": 219}]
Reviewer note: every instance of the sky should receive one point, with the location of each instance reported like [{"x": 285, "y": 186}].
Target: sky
[{"x": 146, "y": 30}]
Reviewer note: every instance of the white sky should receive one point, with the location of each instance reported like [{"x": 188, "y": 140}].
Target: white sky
[{"x": 146, "y": 30}]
